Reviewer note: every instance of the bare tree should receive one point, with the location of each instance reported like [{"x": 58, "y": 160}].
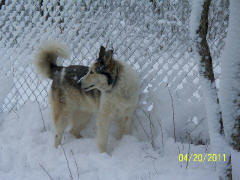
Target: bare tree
[{"x": 211, "y": 100}]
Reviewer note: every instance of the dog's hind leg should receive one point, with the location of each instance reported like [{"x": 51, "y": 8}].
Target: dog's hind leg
[
  {"x": 124, "y": 124},
  {"x": 59, "y": 115},
  {"x": 60, "y": 119},
  {"x": 60, "y": 122},
  {"x": 122, "y": 127},
  {"x": 60, "y": 126},
  {"x": 79, "y": 122}
]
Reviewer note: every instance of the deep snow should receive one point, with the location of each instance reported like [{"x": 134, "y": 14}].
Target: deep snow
[{"x": 25, "y": 146}]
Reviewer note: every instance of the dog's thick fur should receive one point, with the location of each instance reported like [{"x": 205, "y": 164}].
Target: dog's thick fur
[
  {"x": 119, "y": 86},
  {"x": 69, "y": 102},
  {"x": 108, "y": 88}
]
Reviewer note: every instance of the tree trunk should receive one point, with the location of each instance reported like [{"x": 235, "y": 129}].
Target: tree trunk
[
  {"x": 230, "y": 82},
  {"x": 214, "y": 116}
]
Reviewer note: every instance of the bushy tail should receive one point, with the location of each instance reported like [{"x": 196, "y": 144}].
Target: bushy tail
[{"x": 46, "y": 59}]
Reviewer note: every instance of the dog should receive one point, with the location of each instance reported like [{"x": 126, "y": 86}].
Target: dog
[
  {"x": 119, "y": 87},
  {"x": 70, "y": 104},
  {"x": 109, "y": 89}
]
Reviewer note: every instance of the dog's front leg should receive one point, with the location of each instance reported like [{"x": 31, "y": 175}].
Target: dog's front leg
[{"x": 103, "y": 123}]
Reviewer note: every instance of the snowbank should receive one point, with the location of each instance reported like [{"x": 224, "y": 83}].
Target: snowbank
[{"x": 25, "y": 149}]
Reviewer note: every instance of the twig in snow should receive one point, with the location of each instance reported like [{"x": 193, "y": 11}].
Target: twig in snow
[
  {"x": 189, "y": 145},
  {"x": 142, "y": 127},
  {"x": 148, "y": 156},
  {"x": 173, "y": 114},
  {"x": 70, "y": 173},
  {"x": 179, "y": 152},
  {"x": 160, "y": 124},
  {"x": 206, "y": 148},
  {"x": 151, "y": 127},
  {"x": 75, "y": 163},
  {"x": 50, "y": 177},
  {"x": 44, "y": 127}
]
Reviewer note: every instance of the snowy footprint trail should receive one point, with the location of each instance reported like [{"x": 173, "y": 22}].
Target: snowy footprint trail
[{"x": 27, "y": 152}]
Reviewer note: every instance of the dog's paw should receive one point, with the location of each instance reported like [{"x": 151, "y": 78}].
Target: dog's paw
[
  {"x": 76, "y": 134},
  {"x": 56, "y": 145},
  {"x": 57, "y": 141},
  {"x": 102, "y": 149}
]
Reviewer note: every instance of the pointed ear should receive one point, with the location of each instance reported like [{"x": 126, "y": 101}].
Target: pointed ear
[
  {"x": 108, "y": 56},
  {"x": 101, "y": 52}
]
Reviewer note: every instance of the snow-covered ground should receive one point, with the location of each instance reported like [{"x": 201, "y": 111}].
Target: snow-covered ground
[{"x": 27, "y": 151}]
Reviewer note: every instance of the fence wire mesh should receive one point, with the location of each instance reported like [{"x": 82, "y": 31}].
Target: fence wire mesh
[{"x": 153, "y": 36}]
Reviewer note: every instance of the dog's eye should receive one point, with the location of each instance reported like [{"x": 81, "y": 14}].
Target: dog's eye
[{"x": 91, "y": 72}]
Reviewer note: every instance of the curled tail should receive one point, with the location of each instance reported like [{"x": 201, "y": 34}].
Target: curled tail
[{"x": 47, "y": 58}]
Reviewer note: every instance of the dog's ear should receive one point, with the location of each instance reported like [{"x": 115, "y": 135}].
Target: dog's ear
[
  {"x": 108, "y": 57},
  {"x": 101, "y": 53}
]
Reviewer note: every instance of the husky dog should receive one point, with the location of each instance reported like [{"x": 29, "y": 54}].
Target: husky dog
[
  {"x": 108, "y": 88},
  {"x": 119, "y": 87},
  {"x": 69, "y": 102}
]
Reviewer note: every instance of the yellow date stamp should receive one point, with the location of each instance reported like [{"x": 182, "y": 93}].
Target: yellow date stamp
[{"x": 199, "y": 157}]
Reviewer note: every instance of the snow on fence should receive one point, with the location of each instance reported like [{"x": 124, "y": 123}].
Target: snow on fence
[{"x": 153, "y": 36}]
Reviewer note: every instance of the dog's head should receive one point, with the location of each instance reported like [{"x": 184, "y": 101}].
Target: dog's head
[{"x": 102, "y": 73}]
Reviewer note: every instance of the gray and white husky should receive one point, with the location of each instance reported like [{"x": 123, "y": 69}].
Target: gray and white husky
[{"x": 108, "y": 88}]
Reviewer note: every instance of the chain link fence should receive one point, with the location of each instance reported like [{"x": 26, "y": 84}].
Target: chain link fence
[{"x": 153, "y": 36}]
